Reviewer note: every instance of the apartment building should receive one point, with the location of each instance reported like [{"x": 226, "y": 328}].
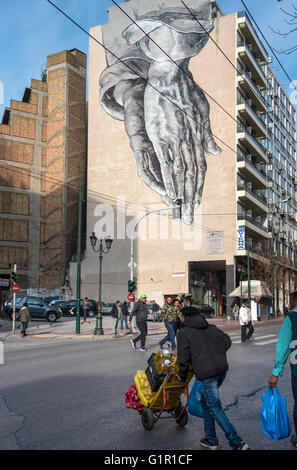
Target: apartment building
[
  {"x": 43, "y": 162},
  {"x": 240, "y": 192}
]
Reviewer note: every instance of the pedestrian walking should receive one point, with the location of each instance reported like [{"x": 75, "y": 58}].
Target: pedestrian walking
[
  {"x": 24, "y": 319},
  {"x": 86, "y": 308},
  {"x": 156, "y": 311},
  {"x": 169, "y": 314},
  {"x": 287, "y": 346},
  {"x": 245, "y": 320},
  {"x": 236, "y": 312},
  {"x": 205, "y": 347},
  {"x": 124, "y": 315},
  {"x": 140, "y": 310},
  {"x": 116, "y": 314}
]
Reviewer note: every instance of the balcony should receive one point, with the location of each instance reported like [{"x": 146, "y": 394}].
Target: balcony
[
  {"x": 250, "y": 172},
  {"x": 249, "y": 61},
  {"x": 251, "y": 200},
  {"x": 251, "y": 144},
  {"x": 248, "y": 114},
  {"x": 253, "y": 226},
  {"x": 249, "y": 32},
  {"x": 247, "y": 85}
]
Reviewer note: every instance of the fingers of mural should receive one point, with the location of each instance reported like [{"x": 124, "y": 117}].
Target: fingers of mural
[{"x": 166, "y": 114}]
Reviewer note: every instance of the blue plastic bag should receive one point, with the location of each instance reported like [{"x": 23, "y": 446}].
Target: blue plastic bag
[
  {"x": 194, "y": 404},
  {"x": 273, "y": 416}
]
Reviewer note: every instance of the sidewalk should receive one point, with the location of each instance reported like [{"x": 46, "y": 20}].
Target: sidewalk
[{"x": 66, "y": 328}]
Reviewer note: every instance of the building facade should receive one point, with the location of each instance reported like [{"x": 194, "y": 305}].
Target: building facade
[
  {"x": 232, "y": 220},
  {"x": 43, "y": 162}
]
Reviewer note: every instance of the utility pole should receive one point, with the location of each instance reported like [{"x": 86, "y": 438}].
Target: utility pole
[
  {"x": 78, "y": 262},
  {"x": 14, "y": 298},
  {"x": 249, "y": 275}
]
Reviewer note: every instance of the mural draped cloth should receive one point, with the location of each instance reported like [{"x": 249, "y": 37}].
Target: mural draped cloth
[{"x": 149, "y": 86}]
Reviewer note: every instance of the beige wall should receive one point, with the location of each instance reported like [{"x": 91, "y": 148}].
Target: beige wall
[{"x": 112, "y": 172}]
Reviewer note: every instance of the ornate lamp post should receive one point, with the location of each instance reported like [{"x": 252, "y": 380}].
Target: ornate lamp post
[{"x": 108, "y": 242}]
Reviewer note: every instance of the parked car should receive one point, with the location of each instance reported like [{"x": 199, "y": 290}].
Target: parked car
[
  {"x": 106, "y": 308},
  {"x": 206, "y": 310},
  {"x": 57, "y": 303},
  {"x": 37, "y": 308},
  {"x": 69, "y": 308}
]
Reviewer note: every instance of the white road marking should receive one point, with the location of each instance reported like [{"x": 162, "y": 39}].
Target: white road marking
[
  {"x": 266, "y": 342},
  {"x": 258, "y": 337}
]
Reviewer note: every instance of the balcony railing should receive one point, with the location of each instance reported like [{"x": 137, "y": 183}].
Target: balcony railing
[
  {"x": 252, "y": 220},
  {"x": 242, "y": 72},
  {"x": 253, "y": 60},
  {"x": 258, "y": 117},
  {"x": 242, "y": 128},
  {"x": 242, "y": 14},
  {"x": 243, "y": 158},
  {"x": 244, "y": 187}
]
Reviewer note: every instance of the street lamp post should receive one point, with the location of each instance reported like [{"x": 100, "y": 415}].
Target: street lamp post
[
  {"x": 176, "y": 212},
  {"x": 108, "y": 242}
]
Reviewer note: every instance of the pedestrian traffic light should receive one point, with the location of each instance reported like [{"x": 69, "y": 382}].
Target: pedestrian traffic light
[
  {"x": 13, "y": 277},
  {"x": 177, "y": 209},
  {"x": 131, "y": 286}
]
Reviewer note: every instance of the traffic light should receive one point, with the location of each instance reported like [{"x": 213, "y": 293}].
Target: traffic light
[
  {"x": 131, "y": 286},
  {"x": 177, "y": 209},
  {"x": 13, "y": 277}
]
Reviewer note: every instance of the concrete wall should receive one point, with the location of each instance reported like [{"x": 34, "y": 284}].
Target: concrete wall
[{"x": 162, "y": 263}]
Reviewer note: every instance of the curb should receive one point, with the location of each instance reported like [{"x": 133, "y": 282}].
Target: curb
[{"x": 225, "y": 327}]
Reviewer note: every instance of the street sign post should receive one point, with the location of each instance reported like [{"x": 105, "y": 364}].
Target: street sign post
[{"x": 15, "y": 288}]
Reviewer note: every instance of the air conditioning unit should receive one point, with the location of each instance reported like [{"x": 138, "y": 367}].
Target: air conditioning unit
[
  {"x": 292, "y": 216},
  {"x": 270, "y": 75},
  {"x": 249, "y": 157},
  {"x": 280, "y": 167},
  {"x": 249, "y": 129},
  {"x": 269, "y": 151},
  {"x": 281, "y": 212},
  {"x": 249, "y": 74},
  {"x": 269, "y": 184},
  {"x": 283, "y": 191},
  {"x": 249, "y": 102},
  {"x": 269, "y": 167},
  {"x": 283, "y": 235},
  {"x": 274, "y": 210}
]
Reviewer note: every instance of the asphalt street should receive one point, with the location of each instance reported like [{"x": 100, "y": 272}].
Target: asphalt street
[{"x": 64, "y": 394}]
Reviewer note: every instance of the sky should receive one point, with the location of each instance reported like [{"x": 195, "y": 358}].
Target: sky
[{"x": 30, "y": 30}]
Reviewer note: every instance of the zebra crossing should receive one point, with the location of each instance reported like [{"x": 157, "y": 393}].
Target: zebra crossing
[{"x": 257, "y": 339}]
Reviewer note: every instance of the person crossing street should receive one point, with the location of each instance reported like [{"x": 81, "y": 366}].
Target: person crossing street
[
  {"x": 170, "y": 314},
  {"x": 141, "y": 311},
  {"x": 287, "y": 346},
  {"x": 245, "y": 320}
]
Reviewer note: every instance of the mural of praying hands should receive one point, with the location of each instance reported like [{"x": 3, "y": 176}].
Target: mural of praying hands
[
  {"x": 151, "y": 89},
  {"x": 177, "y": 124}
]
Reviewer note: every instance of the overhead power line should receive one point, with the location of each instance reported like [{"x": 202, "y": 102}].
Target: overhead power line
[{"x": 137, "y": 74}]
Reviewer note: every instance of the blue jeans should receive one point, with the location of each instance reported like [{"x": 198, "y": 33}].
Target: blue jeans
[
  {"x": 171, "y": 328},
  {"x": 213, "y": 411},
  {"x": 124, "y": 319}
]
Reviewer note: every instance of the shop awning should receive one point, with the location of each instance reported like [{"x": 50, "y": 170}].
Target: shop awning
[{"x": 258, "y": 289}]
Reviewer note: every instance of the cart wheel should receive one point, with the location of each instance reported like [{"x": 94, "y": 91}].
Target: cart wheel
[
  {"x": 148, "y": 419},
  {"x": 183, "y": 420}
]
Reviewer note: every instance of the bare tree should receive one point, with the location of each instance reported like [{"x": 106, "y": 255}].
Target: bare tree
[{"x": 292, "y": 22}]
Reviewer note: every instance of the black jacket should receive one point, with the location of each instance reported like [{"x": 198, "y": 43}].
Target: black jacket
[
  {"x": 140, "y": 310},
  {"x": 203, "y": 346}
]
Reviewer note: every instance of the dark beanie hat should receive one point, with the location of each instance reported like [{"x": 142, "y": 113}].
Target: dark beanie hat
[{"x": 188, "y": 311}]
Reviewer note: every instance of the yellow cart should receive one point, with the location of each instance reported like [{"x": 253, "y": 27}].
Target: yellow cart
[{"x": 166, "y": 399}]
